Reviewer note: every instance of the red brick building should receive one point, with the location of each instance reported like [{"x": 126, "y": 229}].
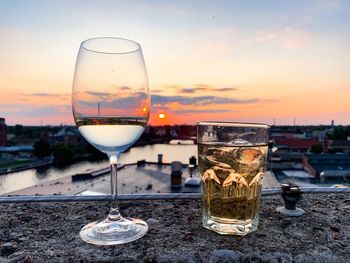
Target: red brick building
[{"x": 296, "y": 145}]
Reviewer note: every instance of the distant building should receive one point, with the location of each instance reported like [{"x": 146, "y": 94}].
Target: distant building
[
  {"x": 295, "y": 144},
  {"x": 67, "y": 135},
  {"x": 321, "y": 135},
  {"x": 16, "y": 152},
  {"x": 173, "y": 132},
  {"x": 284, "y": 134},
  {"x": 317, "y": 163},
  {"x": 3, "y": 132},
  {"x": 339, "y": 145},
  {"x": 160, "y": 131}
]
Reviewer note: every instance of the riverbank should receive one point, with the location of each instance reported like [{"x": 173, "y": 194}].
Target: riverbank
[
  {"x": 13, "y": 166},
  {"x": 49, "y": 232}
]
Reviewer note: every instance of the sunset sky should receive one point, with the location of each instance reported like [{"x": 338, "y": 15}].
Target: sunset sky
[{"x": 254, "y": 61}]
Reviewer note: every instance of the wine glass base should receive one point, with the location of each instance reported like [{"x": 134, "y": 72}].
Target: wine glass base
[{"x": 108, "y": 232}]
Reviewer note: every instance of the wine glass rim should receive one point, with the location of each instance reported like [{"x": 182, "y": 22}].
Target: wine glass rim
[{"x": 138, "y": 46}]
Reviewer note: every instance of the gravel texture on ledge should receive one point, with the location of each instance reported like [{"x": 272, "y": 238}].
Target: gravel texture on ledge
[{"x": 49, "y": 232}]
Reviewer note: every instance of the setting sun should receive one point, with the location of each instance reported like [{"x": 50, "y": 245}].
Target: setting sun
[{"x": 161, "y": 115}]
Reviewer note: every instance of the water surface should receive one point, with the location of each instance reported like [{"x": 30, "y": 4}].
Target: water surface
[{"x": 19, "y": 180}]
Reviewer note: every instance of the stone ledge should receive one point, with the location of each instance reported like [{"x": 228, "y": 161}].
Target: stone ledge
[{"x": 48, "y": 232}]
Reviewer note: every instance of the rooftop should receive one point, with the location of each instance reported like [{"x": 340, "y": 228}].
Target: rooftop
[
  {"x": 132, "y": 179},
  {"x": 296, "y": 143},
  {"x": 49, "y": 232}
]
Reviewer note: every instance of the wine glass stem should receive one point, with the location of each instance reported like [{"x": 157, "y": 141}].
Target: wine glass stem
[{"x": 114, "y": 214}]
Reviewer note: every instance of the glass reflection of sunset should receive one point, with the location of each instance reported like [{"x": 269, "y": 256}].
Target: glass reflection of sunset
[{"x": 229, "y": 60}]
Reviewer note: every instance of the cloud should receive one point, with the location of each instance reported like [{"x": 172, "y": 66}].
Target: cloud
[
  {"x": 204, "y": 87},
  {"x": 125, "y": 88},
  {"x": 293, "y": 39},
  {"x": 191, "y": 90},
  {"x": 41, "y": 98},
  {"x": 108, "y": 101},
  {"x": 35, "y": 111},
  {"x": 199, "y": 101},
  {"x": 264, "y": 37},
  {"x": 284, "y": 37},
  {"x": 43, "y": 94},
  {"x": 99, "y": 94},
  {"x": 226, "y": 89}
]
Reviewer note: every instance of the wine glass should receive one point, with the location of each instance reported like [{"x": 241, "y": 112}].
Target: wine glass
[{"x": 111, "y": 101}]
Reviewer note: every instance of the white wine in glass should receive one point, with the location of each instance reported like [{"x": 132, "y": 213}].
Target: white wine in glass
[{"x": 111, "y": 102}]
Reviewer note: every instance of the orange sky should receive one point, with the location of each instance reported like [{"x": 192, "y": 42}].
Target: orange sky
[{"x": 262, "y": 62}]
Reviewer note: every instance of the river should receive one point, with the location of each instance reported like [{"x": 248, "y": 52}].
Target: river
[{"x": 16, "y": 181}]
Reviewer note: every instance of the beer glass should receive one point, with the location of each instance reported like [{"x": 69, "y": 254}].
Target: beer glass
[{"x": 232, "y": 158}]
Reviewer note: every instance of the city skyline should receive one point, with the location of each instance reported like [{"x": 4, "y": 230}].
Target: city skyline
[{"x": 273, "y": 62}]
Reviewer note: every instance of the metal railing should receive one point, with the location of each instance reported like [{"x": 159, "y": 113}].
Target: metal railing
[{"x": 165, "y": 196}]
